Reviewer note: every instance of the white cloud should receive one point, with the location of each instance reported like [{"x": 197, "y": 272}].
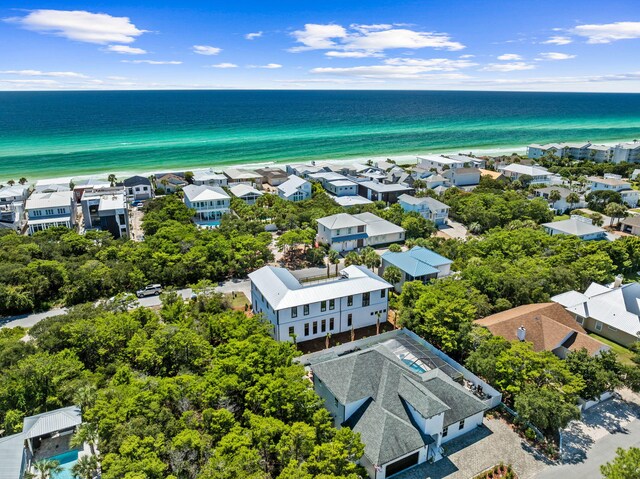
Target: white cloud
[
  {"x": 554, "y": 56},
  {"x": 206, "y": 50},
  {"x": 117, "y": 78},
  {"x": 431, "y": 64},
  {"x": 154, "y": 62},
  {"x": 355, "y": 54},
  {"x": 224, "y": 65},
  {"x": 510, "y": 57},
  {"x": 403, "y": 68},
  {"x": 30, "y": 82},
  {"x": 80, "y": 25},
  {"x": 253, "y": 36},
  {"x": 268, "y": 66},
  {"x": 467, "y": 56},
  {"x": 608, "y": 32},
  {"x": 558, "y": 40},
  {"x": 38, "y": 73},
  {"x": 126, "y": 50},
  {"x": 508, "y": 67},
  {"x": 369, "y": 38}
]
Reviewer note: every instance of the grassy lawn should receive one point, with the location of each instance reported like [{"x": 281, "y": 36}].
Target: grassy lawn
[
  {"x": 624, "y": 354},
  {"x": 238, "y": 302},
  {"x": 561, "y": 217}
]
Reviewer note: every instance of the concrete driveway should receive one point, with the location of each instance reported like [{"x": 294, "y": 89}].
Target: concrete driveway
[{"x": 452, "y": 229}]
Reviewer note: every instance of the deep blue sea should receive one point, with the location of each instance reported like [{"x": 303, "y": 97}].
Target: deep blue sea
[{"x": 49, "y": 134}]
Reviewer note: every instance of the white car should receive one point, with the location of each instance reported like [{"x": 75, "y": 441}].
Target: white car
[{"x": 151, "y": 290}]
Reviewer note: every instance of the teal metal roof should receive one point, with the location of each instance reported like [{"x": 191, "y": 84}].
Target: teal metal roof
[{"x": 417, "y": 261}]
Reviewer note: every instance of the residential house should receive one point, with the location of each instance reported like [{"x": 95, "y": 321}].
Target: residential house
[
  {"x": 536, "y": 151},
  {"x": 469, "y": 161},
  {"x": 462, "y": 176},
  {"x": 405, "y": 398},
  {"x": 631, "y": 225},
  {"x": 579, "y": 226},
  {"x": 273, "y": 176},
  {"x": 345, "y": 232},
  {"x": 355, "y": 299},
  {"x": 82, "y": 184},
  {"x": 295, "y": 189},
  {"x": 43, "y": 436},
  {"x": 12, "y": 202},
  {"x": 246, "y": 193},
  {"x": 237, "y": 175},
  {"x": 535, "y": 174},
  {"x": 209, "y": 202},
  {"x": 494, "y": 175},
  {"x": 342, "y": 188},
  {"x": 303, "y": 170},
  {"x": 417, "y": 264},
  {"x": 106, "y": 209},
  {"x": 609, "y": 311},
  {"x": 170, "y": 183},
  {"x": 347, "y": 201},
  {"x": 635, "y": 174},
  {"x": 615, "y": 183},
  {"x": 209, "y": 178},
  {"x": 138, "y": 188},
  {"x": 548, "y": 326},
  {"x": 561, "y": 205},
  {"x": 46, "y": 210},
  {"x": 429, "y": 208},
  {"x": 442, "y": 163},
  {"x": 388, "y": 193}
]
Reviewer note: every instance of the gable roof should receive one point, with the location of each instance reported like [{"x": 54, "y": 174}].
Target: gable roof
[
  {"x": 431, "y": 203},
  {"x": 526, "y": 170},
  {"x": 204, "y": 193},
  {"x": 52, "y": 421},
  {"x": 341, "y": 220},
  {"x": 243, "y": 190},
  {"x": 238, "y": 174},
  {"x": 137, "y": 180},
  {"x": 418, "y": 261},
  {"x": 292, "y": 185},
  {"x": 548, "y": 326},
  {"x": 573, "y": 226}
]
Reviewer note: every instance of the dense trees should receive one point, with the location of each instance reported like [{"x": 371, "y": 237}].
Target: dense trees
[
  {"x": 191, "y": 391},
  {"x": 626, "y": 465}
]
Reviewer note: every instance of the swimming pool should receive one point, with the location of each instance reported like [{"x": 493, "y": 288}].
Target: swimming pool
[
  {"x": 208, "y": 224},
  {"x": 67, "y": 460},
  {"x": 414, "y": 365}
]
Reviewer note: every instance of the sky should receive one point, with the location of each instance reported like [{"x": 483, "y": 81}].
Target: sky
[{"x": 520, "y": 45}]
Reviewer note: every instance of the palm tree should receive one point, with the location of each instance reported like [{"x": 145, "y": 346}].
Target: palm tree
[
  {"x": 11, "y": 182},
  {"x": 392, "y": 275},
  {"x": 352, "y": 258},
  {"x": 86, "y": 433},
  {"x": 596, "y": 219},
  {"x": 46, "y": 467},
  {"x": 85, "y": 397},
  {"x": 554, "y": 196},
  {"x": 615, "y": 210},
  {"x": 112, "y": 179},
  {"x": 573, "y": 199},
  {"x": 475, "y": 228},
  {"x": 85, "y": 468},
  {"x": 334, "y": 258},
  {"x": 378, "y": 322},
  {"x": 22, "y": 180},
  {"x": 370, "y": 258}
]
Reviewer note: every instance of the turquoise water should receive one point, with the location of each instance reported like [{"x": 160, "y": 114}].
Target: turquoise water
[
  {"x": 67, "y": 460},
  {"x": 47, "y": 134},
  {"x": 414, "y": 366}
]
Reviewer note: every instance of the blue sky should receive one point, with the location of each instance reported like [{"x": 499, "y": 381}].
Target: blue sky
[{"x": 546, "y": 45}]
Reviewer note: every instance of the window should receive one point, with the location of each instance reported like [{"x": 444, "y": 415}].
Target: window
[
  {"x": 349, "y": 300},
  {"x": 349, "y": 319},
  {"x": 598, "y": 326},
  {"x": 294, "y": 312},
  {"x": 580, "y": 319},
  {"x": 331, "y": 324},
  {"x": 366, "y": 299},
  {"x": 323, "y": 305},
  {"x": 445, "y": 431},
  {"x": 382, "y": 292},
  {"x": 291, "y": 331},
  {"x": 332, "y": 304},
  {"x": 315, "y": 327},
  {"x": 611, "y": 328},
  {"x": 461, "y": 425},
  {"x": 335, "y": 402},
  {"x": 306, "y": 329},
  {"x": 305, "y": 309}
]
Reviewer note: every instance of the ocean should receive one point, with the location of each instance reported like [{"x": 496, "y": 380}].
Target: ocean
[{"x": 58, "y": 134}]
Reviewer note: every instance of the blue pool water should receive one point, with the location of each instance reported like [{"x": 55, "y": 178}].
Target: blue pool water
[
  {"x": 414, "y": 366},
  {"x": 211, "y": 224},
  {"x": 67, "y": 460}
]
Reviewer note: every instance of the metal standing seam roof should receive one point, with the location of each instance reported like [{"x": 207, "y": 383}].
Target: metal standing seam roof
[
  {"x": 347, "y": 201},
  {"x": 418, "y": 261},
  {"x": 204, "y": 193},
  {"x": 432, "y": 203},
  {"x": 377, "y": 226},
  {"x": 243, "y": 190},
  {"x": 573, "y": 226},
  {"x": 384, "y": 187},
  {"x": 11, "y": 454},
  {"x": 206, "y": 175},
  {"x": 238, "y": 174},
  {"x": 282, "y": 290},
  {"x": 526, "y": 170},
  {"x": 52, "y": 421},
  {"x": 341, "y": 220},
  {"x": 57, "y": 199},
  {"x": 292, "y": 185}
]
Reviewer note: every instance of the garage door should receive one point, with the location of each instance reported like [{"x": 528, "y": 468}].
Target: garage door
[{"x": 402, "y": 464}]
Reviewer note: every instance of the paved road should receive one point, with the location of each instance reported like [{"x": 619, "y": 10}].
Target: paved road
[{"x": 29, "y": 320}]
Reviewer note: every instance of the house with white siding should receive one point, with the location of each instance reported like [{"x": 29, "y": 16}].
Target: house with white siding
[
  {"x": 577, "y": 225},
  {"x": 538, "y": 175},
  {"x": 561, "y": 205},
  {"x": 295, "y": 189},
  {"x": 355, "y": 299},
  {"x": 209, "y": 178},
  {"x": 209, "y": 202},
  {"x": 615, "y": 183},
  {"x": 417, "y": 264},
  {"x": 246, "y": 193},
  {"x": 12, "y": 203},
  {"x": 345, "y": 232},
  {"x": 46, "y": 210},
  {"x": 429, "y": 208}
]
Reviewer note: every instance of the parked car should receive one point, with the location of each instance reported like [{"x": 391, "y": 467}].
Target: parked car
[{"x": 150, "y": 290}]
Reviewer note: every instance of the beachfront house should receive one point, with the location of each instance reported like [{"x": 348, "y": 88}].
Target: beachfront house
[
  {"x": 561, "y": 205},
  {"x": 417, "y": 264},
  {"x": 440, "y": 163},
  {"x": 273, "y": 176},
  {"x": 43, "y": 436},
  {"x": 534, "y": 174},
  {"x": 402, "y": 396},
  {"x": 355, "y": 299},
  {"x": 547, "y": 326},
  {"x": 138, "y": 188},
  {"x": 295, "y": 189},
  {"x": 80, "y": 185},
  {"x": 303, "y": 170},
  {"x": 612, "y": 182},
  {"x": 170, "y": 183},
  {"x": 209, "y": 202},
  {"x": 612, "y": 312},
  {"x": 429, "y": 208},
  {"x": 345, "y": 232},
  {"x": 389, "y": 193},
  {"x": 246, "y": 193},
  {"x": 46, "y": 210},
  {"x": 462, "y": 176},
  {"x": 12, "y": 202},
  {"x": 106, "y": 209},
  {"x": 242, "y": 176},
  {"x": 577, "y": 225},
  {"x": 209, "y": 178}
]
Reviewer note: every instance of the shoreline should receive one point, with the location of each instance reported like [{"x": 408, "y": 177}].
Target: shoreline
[{"x": 400, "y": 158}]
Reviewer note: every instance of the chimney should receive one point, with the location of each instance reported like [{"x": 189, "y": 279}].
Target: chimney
[
  {"x": 618, "y": 282},
  {"x": 522, "y": 333}
]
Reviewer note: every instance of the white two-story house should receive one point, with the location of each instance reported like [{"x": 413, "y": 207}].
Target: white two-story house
[
  {"x": 615, "y": 183},
  {"x": 429, "y": 208},
  {"x": 345, "y": 232},
  {"x": 209, "y": 202},
  {"x": 295, "y": 189},
  {"x": 357, "y": 298},
  {"x": 46, "y": 210}
]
